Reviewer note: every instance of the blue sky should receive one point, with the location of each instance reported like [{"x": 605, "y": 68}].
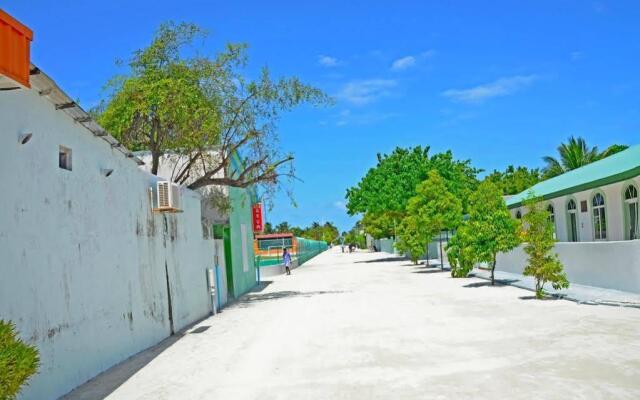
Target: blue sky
[{"x": 499, "y": 82}]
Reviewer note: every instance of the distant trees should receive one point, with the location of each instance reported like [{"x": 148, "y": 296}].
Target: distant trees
[
  {"x": 515, "y": 180},
  {"x": 575, "y": 153},
  {"x": 537, "y": 233},
  {"x": 327, "y": 232}
]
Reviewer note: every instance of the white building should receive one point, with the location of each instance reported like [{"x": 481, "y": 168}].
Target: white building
[
  {"x": 90, "y": 274},
  {"x": 595, "y": 213}
]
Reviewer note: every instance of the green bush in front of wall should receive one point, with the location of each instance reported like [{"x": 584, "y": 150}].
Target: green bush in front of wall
[{"x": 18, "y": 361}]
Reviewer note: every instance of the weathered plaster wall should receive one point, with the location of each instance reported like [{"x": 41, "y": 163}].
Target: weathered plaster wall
[
  {"x": 84, "y": 263},
  {"x": 613, "y": 265}
]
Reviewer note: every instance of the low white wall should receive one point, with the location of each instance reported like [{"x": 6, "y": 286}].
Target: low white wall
[
  {"x": 86, "y": 268},
  {"x": 613, "y": 265}
]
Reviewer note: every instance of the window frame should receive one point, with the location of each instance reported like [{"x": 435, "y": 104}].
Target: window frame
[
  {"x": 627, "y": 211},
  {"x": 575, "y": 212},
  {"x": 601, "y": 212}
]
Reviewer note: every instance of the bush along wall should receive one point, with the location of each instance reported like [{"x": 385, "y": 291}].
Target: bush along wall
[{"x": 18, "y": 361}]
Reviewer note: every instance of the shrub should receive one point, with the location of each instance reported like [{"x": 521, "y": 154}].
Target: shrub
[
  {"x": 460, "y": 253},
  {"x": 18, "y": 361},
  {"x": 543, "y": 264}
]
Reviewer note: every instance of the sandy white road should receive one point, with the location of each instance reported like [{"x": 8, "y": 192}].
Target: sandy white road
[{"x": 346, "y": 326}]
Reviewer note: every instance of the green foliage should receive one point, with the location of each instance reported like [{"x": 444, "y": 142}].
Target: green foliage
[
  {"x": 356, "y": 236},
  {"x": 491, "y": 227},
  {"x": 433, "y": 209},
  {"x": 268, "y": 228},
  {"x": 387, "y": 187},
  {"x": 515, "y": 180},
  {"x": 382, "y": 225},
  {"x": 460, "y": 252},
  {"x": 537, "y": 232},
  {"x": 18, "y": 361},
  {"x": 327, "y": 232},
  {"x": 169, "y": 102},
  {"x": 411, "y": 239},
  {"x": 575, "y": 154}
]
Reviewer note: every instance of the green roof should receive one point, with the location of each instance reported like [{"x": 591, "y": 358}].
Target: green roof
[{"x": 618, "y": 167}]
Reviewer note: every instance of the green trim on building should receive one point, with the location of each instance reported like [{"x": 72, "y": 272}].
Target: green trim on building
[{"x": 616, "y": 168}]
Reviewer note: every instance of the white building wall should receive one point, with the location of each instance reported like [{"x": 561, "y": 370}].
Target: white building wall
[
  {"x": 84, "y": 262},
  {"x": 614, "y": 203},
  {"x": 613, "y": 265}
]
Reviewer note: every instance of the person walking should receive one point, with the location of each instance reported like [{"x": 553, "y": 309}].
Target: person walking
[{"x": 286, "y": 259}]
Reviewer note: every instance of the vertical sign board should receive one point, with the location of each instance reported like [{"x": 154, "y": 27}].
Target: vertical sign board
[
  {"x": 15, "y": 41},
  {"x": 256, "y": 217}
]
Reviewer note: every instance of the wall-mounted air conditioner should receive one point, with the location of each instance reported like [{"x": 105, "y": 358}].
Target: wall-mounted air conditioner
[{"x": 166, "y": 196}]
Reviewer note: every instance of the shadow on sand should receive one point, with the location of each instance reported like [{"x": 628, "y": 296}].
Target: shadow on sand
[
  {"x": 430, "y": 270},
  {"x": 250, "y": 299},
  {"x": 379, "y": 260},
  {"x": 499, "y": 283}
]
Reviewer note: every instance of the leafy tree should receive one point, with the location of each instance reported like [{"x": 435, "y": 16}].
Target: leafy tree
[
  {"x": 381, "y": 225},
  {"x": 575, "y": 154},
  {"x": 283, "y": 227},
  {"x": 268, "y": 228},
  {"x": 411, "y": 239},
  {"x": 491, "y": 227},
  {"x": 434, "y": 208},
  {"x": 385, "y": 190},
  {"x": 460, "y": 252},
  {"x": 190, "y": 105},
  {"x": 356, "y": 236},
  {"x": 537, "y": 233},
  {"x": 18, "y": 361},
  {"x": 515, "y": 180}
]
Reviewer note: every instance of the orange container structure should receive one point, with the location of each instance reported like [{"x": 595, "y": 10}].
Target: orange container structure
[{"x": 15, "y": 41}]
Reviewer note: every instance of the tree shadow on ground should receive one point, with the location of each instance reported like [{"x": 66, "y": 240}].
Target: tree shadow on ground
[
  {"x": 545, "y": 298},
  {"x": 379, "y": 260},
  {"x": 250, "y": 299},
  {"x": 499, "y": 283},
  {"x": 430, "y": 270}
]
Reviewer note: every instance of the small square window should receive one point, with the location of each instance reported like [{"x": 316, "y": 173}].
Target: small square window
[{"x": 64, "y": 160}]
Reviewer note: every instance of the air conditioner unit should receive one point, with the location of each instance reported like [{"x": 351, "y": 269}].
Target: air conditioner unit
[{"x": 166, "y": 196}]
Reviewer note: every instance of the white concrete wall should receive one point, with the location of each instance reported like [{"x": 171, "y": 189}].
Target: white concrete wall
[
  {"x": 613, "y": 265},
  {"x": 614, "y": 209},
  {"x": 84, "y": 261}
]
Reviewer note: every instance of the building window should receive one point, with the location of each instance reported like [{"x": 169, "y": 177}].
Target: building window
[
  {"x": 64, "y": 158},
  {"x": 631, "y": 210},
  {"x": 572, "y": 218},
  {"x": 599, "y": 218},
  {"x": 552, "y": 218}
]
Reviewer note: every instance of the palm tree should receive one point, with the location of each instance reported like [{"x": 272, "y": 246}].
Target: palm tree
[{"x": 575, "y": 154}]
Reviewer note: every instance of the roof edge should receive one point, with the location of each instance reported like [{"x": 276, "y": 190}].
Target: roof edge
[{"x": 611, "y": 179}]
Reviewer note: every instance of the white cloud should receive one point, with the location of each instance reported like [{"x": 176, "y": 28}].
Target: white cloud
[
  {"x": 340, "y": 205},
  {"x": 498, "y": 88},
  {"x": 328, "y": 61},
  {"x": 403, "y": 63},
  {"x": 346, "y": 117},
  {"x": 361, "y": 92}
]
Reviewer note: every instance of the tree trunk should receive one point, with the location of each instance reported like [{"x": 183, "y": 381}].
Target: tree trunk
[
  {"x": 441, "y": 255},
  {"x": 155, "y": 162},
  {"x": 493, "y": 268}
]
